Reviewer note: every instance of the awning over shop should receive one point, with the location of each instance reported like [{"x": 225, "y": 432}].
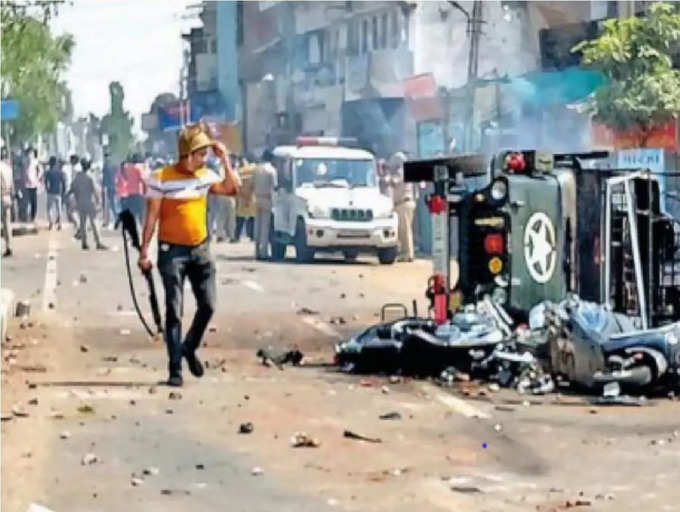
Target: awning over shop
[{"x": 548, "y": 88}]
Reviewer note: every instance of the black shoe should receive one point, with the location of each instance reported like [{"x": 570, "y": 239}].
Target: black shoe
[
  {"x": 7, "y": 253},
  {"x": 58, "y": 227},
  {"x": 175, "y": 381},
  {"x": 195, "y": 366},
  {"x": 102, "y": 247},
  {"x": 86, "y": 247},
  {"x": 49, "y": 227}
]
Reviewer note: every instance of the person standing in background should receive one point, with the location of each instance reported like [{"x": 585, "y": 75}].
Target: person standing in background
[
  {"x": 404, "y": 205},
  {"x": 385, "y": 179},
  {"x": 32, "y": 177},
  {"x": 7, "y": 191},
  {"x": 55, "y": 186},
  {"x": 135, "y": 173},
  {"x": 68, "y": 203},
  {"x": 109, "y": 190},
  {"x": 87, "y": 200},
  {"x": 265, "y": 182},
  {"x": 245, "y": 202}
]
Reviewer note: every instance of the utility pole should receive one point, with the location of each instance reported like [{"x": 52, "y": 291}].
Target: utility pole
[{"x": 474, "y": 29}]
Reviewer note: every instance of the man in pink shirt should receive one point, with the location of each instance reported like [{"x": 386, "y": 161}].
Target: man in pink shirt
[{"x": 135, "y": 174}]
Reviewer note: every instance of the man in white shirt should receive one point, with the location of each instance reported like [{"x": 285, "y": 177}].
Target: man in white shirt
[{"x": 7, "y": 190}]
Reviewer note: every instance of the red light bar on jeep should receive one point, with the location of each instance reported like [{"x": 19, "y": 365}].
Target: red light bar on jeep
[{"x": 326, "y": 141}]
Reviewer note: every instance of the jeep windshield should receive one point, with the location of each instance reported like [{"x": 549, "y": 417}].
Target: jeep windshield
[{"x": 326, "y": 172}]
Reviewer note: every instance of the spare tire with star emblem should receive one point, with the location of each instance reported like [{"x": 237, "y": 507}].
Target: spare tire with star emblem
[{"x": 540, "y": 252}]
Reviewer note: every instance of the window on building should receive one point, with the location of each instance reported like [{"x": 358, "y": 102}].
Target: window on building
[
  {"x": 383, "y": 31},
  {"x": 374, "y": 46},
  {"x": 352, "y": 38},
  {"x": 612, "y": 9},
  {"x": 364, "y": 37},
  {"x": 394, "y": 29},
  {"x": 314, "y": 48}
]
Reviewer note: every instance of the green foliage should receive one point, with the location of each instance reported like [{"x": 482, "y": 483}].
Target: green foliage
[
  {"x": 634, "y": 54},
  {"x": 33, "y": 61},
  {"x": 118, "y": 125}
]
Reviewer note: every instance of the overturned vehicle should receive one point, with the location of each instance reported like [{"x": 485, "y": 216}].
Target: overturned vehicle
[{"x": 563, "y": 260}]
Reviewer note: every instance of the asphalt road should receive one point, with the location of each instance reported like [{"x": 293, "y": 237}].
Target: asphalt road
[{"x": 88, "y": 377}]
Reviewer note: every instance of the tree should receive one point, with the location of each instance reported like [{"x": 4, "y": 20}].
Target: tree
[
  {"x": 117, "y": 124},
  {"x": 635, "y": 54},
  {"x": 33, "y": 61}
]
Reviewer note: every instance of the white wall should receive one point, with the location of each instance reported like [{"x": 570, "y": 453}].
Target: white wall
[{"x": 441, "y": 45}]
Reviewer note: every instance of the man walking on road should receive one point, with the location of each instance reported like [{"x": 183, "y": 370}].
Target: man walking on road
[
  {"x": 109, "y": 190},
  {"x": 404, "y": 204},
  {"x": 177, "y": 202},
  {"x": 32, "y": 177},
  {"x": 7, "y": 190},
  {"x": 55, "y": 186},
  {"x": 87, "y": 202},
  {"x": 264, "y": 184}
]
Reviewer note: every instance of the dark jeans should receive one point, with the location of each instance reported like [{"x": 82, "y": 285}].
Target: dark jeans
[
  {"x": 32, "y": 197},
  {"x": 175, "y": 263},
  {"x": 135, "y": 203},
  {"x": 250, "y": 227}
]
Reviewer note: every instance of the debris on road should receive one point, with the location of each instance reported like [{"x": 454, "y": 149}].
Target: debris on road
[
  {"x": 23, "y": 309},
  {"x": 136, "y": 481},
  {"x": 276, "y": 356},
  {"x": 86, "y": 409},
  {"x": 83, "y": 278},
  {"x": 151, "y": 471},
  {"x": 394, "y": 415},
  {"x": 19, "y": 411},
  {"x": 110, "y": 359},
  {"x": 256, "y": 471},
  {"x": 65, "y": 434},
  {"x": 89, "y": 459},
  {"x": 169, "y": 492},
  {"x": 84, "y": 348},
  {"x": 303, "y": 440},
  {"x": 174, "y": 395},
  {"x": 200, "y": 467},
  {"x": 337, "y": 320},
  {"x": 125, "y": 332},
  {"x": 385, "y": 390},
  {"x": 353, "y": 435},
  {"x": 246, "y": 428},
  {"x": 33, "y": 401},
  {"x": 34, "y": 507},
  {"x": 306, "y": 311}
]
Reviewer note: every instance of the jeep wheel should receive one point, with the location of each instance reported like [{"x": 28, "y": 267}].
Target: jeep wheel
[
  {"x": 387, "y": 256},
  {"x": 303, "y": 254},
  {"x": 351, "y": 256}
]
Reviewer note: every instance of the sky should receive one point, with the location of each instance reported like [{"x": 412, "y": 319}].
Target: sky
[{"x": 136, "y": 42}]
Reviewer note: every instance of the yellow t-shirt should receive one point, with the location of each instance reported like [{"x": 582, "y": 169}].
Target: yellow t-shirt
[{"x": 184, "y": 203}]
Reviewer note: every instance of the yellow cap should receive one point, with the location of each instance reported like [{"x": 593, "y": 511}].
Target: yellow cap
[{"x": 192, "y": 138}]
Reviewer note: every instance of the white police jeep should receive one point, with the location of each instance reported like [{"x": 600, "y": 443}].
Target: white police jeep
[{"x": 328, "y": 200}]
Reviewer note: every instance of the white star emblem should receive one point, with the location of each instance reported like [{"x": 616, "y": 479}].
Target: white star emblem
[{"x": 539, "y": 247}]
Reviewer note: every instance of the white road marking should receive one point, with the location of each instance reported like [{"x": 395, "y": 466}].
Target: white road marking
[
  {"x": 321, "y": 326},
  {"x": 457, "y": 404},
  {"x": 50, "y": 285},
  {"x": 253, "y": 286}
]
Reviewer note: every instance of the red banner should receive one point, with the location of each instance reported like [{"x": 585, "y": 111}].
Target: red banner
[
  {"x": 663, "y": 136},
  {"x": 422, "y": 98}
]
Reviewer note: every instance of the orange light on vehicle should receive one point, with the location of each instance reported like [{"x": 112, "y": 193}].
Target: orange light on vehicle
[
  {"x": 493, "y": 243},
  {"x": 495, "y": 265}
]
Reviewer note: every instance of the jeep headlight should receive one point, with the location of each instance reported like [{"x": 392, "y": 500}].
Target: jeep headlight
[
  {"x": 499, "y": 190},
  {"x": 317, "y": 211}
]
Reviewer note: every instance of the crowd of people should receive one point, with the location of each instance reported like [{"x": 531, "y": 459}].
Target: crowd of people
[{"x": 89, "y": 197}]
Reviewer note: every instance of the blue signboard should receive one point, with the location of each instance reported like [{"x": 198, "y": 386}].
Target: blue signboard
[{"x": 10, "y": 110}]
